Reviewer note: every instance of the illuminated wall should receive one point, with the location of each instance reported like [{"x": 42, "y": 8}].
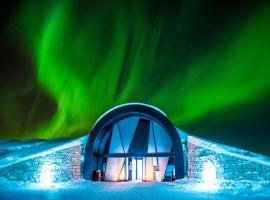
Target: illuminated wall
[
  {"x": 207, "y": 161},
  {"x": 216, "y": 162},
  {"x": 58, "y": 166}
]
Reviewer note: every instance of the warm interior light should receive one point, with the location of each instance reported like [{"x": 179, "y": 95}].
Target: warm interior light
[
  {"x": 121, "y": 169},
  {"x": 149, "y": 169}
]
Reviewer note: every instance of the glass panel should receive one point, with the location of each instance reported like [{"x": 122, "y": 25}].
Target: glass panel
[
  {"x": 143, "y": 168},
  {"x": 127, "y": 128},
  {"x": 116, "y": 145},
  {"x": 139, "y": 169},
  {"x": 151, "y": 144},
  {"x": 133, "y": 169},
  {"x": 115, "y": 169},
  {"x": 163, "y": 140},
  {"x": 126, "y": 169},
  {"x": 162, "y": 162},
  {"x": 122, "y": 173},
  {"x": 170, "y": 173},
  {"x": 104, "y": 141},
  {"x": 149, "y": 169}
]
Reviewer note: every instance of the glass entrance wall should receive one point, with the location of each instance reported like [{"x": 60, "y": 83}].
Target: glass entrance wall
[
  {"x": 136, "y": 148},
  {"x": 116, "y": 169},
  {"x": 139, "y": 169}
]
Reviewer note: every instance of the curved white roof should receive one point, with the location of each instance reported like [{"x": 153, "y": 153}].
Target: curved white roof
[{"x": 125, "y": 104}]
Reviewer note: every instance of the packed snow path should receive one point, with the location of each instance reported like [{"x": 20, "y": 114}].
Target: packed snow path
[{"x": 115, "y": 191}]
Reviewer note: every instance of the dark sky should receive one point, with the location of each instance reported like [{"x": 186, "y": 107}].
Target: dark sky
[{"x": 204, "y": 63}]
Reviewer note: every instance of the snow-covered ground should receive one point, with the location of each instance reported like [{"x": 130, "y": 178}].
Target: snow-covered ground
[{"x": 183, "y": 189}]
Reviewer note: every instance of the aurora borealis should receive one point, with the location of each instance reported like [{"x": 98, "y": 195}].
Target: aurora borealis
[{"x": 204, "y": 63}]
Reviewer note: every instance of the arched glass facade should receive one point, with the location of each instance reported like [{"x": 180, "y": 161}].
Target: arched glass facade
[
  {"x": 135, "y": 148},
  {"x": 134, "y": 142}
]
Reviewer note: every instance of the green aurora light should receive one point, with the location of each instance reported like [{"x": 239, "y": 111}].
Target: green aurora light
[{"x": 91, "y": 58}]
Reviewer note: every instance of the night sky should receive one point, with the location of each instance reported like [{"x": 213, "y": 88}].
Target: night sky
[{"x": 204, "y": 63}]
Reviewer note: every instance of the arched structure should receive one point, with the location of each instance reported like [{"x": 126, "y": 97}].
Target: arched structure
[{"x": 133, "y": 133}]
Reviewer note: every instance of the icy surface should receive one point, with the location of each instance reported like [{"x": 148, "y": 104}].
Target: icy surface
[{"x": 183, "y": 189}]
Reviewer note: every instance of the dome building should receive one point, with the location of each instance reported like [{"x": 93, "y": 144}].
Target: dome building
[{"x": 134, "y": 141}]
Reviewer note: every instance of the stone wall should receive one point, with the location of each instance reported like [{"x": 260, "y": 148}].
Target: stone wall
[
  {"x": 229, "y": 163},
  {"x": 58, "y": 166}
]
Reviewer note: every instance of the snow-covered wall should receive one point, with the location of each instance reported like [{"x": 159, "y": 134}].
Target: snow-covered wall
[
  {"x": 230, "y": 163},
  {"x": 56, "y": 165},
  {"x": 59, "y": 161}
]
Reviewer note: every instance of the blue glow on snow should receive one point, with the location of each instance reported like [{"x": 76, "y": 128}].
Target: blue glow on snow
[
  {"x": 47, "y": 175},
  {"x": 209, "y": 182}
]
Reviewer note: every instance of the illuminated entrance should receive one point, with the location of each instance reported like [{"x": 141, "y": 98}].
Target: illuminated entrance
[
  {"x": 139, "y": 168},
  {"x": 136, "y": 166},
  {"x": 134, "y": 142},
  {"x": 148, "y": 169}
]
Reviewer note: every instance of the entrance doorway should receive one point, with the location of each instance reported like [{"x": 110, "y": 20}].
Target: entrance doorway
[
  {"x": 135, "y": 169},
  {"x": 139, "y": 168}
]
